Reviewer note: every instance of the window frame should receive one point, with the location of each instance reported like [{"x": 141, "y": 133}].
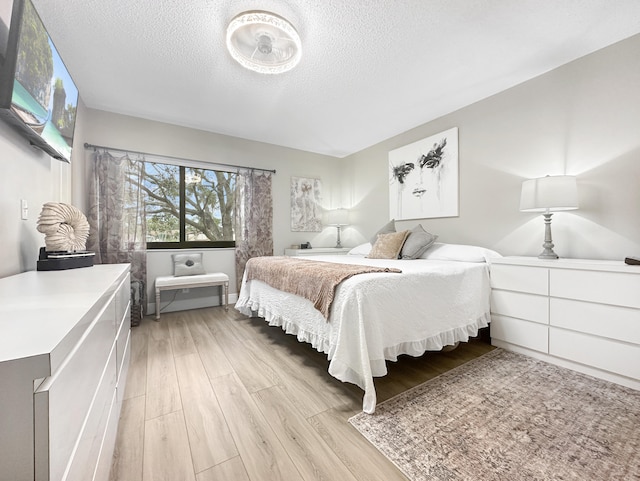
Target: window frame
[{"x": 183, "y": 243}]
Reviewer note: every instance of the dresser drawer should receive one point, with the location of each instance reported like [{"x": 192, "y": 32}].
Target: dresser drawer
[
  {"x": 123, "y": 299},
  {"x": 522, "y": 333},
  {"x": 616, "y": 288},
  {"x": 121, "y": 342},
  {"x": 613, "y": 322},
  {"x": 534, "y": 280},
  {"x": 522, "y": 306},
  {"x": 612, "y": 356},
  {"x": 62, "y": 401},
  {"x": 105, "y": 458},
  {"x": 124, "y": 370},
  {"x": 91, "y": 439}
]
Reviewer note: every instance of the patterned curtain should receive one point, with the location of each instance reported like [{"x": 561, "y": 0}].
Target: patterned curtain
[
  {"x": 117, "y": 220},
  {"x": 254, "y": 218}
]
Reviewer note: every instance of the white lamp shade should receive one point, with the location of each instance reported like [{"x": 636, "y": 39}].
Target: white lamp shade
[
  {"x": 550, "y": 193},
  {"x": 338, "y": 217}
]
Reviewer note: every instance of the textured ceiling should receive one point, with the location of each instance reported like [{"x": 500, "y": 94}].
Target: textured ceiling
[{"x": 370, "y": 69}]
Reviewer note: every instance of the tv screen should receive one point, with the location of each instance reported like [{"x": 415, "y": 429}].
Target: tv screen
[{"x": 37, "y": 94}]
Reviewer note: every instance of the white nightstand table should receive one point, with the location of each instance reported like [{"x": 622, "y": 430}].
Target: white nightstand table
[
  {"x": 318, "y": 251},
  {"x": 576, "y": 313}
]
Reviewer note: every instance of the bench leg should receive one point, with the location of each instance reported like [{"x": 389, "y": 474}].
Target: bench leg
[
  {"x": 157, "y": 304},
  {"x": 226, "y": 296}
]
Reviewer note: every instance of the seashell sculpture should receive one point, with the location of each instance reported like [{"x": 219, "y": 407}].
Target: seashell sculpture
[{"x": 64, "y": 226}]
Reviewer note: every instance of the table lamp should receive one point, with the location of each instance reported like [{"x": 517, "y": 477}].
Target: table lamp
[
  {"x": 338, "y": 218},
  {"x": 547, "y": 195}
]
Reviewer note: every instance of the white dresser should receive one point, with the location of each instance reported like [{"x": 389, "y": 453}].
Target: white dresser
[
  {"x": 64, "y": 353},
  {"x": 580, "y": 314},
  {"x": 318, "y": 251}
]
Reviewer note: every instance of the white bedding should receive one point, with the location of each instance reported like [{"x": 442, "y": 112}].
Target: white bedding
[{"x": 376, "y": 317}]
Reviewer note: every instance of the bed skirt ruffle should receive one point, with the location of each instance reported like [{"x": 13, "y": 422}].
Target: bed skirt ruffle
[{"x": 378, "y": 368}]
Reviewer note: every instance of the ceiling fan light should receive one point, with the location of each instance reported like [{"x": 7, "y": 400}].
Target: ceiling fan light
[{"x": 263, "y": 42}]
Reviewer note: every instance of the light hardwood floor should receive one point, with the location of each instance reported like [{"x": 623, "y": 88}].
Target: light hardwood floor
[{"x": 213, "y": 395}]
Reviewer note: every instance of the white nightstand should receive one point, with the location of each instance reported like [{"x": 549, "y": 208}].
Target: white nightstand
[
  {"x": 577, "y": 313},
  {"x": 318, "y": 251}
]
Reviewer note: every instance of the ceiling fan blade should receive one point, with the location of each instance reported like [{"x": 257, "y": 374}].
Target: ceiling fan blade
[{"x": 254, "y": 52}]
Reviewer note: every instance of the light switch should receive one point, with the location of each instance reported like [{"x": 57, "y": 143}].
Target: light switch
[{"x": 24, "y": 209}]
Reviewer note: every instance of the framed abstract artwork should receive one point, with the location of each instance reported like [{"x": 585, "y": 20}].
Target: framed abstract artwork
[
  {"x": 423, "y": 178},
  {"x": 306, "y": 204}
]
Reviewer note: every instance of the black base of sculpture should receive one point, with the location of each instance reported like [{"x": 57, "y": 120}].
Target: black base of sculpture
[{"x": 61, "y": 260}]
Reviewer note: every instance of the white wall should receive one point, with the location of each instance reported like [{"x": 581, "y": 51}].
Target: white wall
[
  {"x": 581, "y": 119},
  {"x": 30, "y": 174},
  {"x": 130, "y": 133}
]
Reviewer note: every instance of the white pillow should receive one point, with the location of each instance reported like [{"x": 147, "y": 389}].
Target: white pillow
[
  {"x": 188, "y": 264},
  {"x": 361, "y": 250},
  {"x": 459, "y": 252}
]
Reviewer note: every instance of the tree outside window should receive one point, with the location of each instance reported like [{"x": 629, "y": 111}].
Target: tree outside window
[{"x": 188, "y": 207}]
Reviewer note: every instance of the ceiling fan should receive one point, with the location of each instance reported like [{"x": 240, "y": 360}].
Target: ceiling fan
[{"x": 263, "y": 42}]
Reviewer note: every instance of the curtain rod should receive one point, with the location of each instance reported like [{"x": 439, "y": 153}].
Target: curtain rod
[{"x": 92, "y": 146}]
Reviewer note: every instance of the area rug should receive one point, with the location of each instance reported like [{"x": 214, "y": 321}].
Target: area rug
[{"x": 505, "y": 416}]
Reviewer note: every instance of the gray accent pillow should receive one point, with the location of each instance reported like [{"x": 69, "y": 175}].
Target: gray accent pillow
[
  {"x": 388, "y": 228},
  {"x": 417, "y": 243},
  {"x": 188, "y": 264}
]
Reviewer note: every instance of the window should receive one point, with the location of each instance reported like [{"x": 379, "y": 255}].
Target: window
[{"x": 188, "y": 207}]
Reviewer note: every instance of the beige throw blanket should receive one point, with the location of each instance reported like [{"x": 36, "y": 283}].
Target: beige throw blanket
[{"x": 313, "y": 280}]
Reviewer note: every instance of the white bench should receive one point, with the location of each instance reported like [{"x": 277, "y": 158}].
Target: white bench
[{"x": 164, "y": 283}]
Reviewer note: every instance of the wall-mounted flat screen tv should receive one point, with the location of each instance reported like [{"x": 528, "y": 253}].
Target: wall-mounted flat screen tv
[{"x": 37, "y": 94}]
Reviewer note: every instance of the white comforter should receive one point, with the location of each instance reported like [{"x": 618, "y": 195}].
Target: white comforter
[{"x": 376, "y": 317}]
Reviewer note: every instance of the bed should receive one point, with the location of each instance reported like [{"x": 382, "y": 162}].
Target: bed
[{"x": 437, "y": 300}]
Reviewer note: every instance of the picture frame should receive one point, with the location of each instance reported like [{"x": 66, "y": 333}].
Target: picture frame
[
  {"x": 423, "y": 178},
  {"x": 306, "y": 204}
]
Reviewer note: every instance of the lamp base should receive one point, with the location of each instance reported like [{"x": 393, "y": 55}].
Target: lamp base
[
  {"x": 338, "y": 243},
  {"x": 547, "y": 253}
]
